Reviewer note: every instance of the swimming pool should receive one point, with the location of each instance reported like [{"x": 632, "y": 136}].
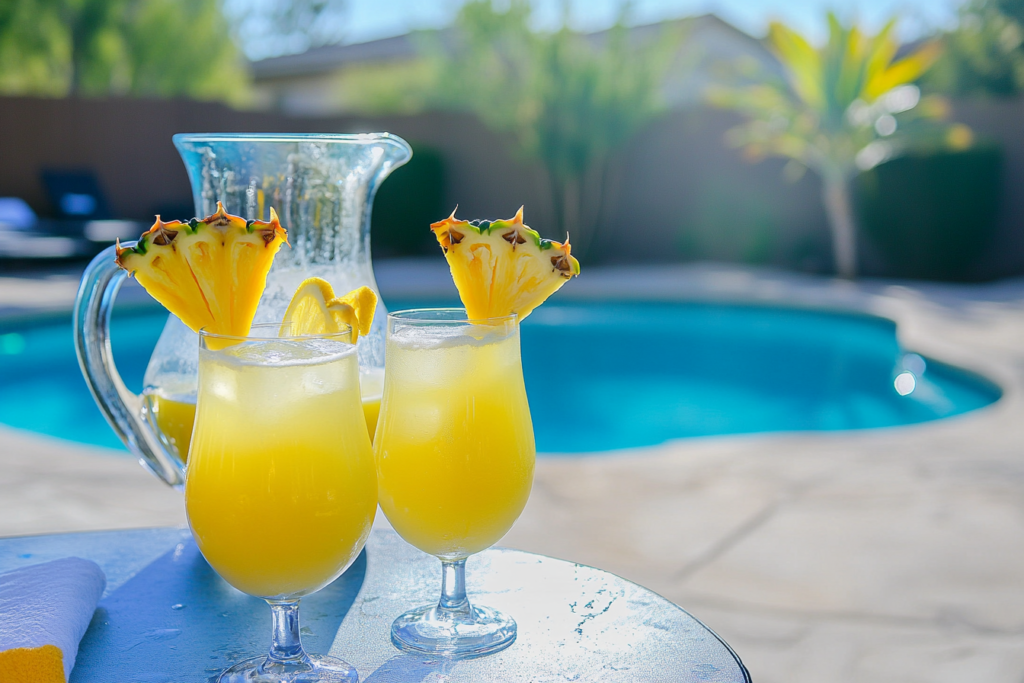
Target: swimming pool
[{"x": 600, "y": 377}]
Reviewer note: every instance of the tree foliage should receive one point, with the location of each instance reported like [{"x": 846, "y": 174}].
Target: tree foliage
[
  {"x": 985, "y": 53},
  {"x": 567, "y": 99},
  {"x": 35, "y": 49},
  {"x": 834, "y": 101},
  {"x": 847, "y": 105},
  {"x": 277, "y": 27},
  {"x": 124, "y": 47}
]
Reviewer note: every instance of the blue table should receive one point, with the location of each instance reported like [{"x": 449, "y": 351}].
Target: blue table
[{"x": 167, "y": 617}]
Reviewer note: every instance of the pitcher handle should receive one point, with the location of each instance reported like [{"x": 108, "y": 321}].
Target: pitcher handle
[{"x": 124, "y": 410}]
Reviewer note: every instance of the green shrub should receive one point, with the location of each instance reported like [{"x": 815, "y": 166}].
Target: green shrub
[
  {"x": 407, "y": 203},
  {"x": 932, "y": 214}
]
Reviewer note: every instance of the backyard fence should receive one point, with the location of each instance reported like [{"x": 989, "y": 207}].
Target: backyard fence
[{"x": 675, "y": 193}]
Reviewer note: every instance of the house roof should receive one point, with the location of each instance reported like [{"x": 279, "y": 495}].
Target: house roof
[{"x": 329, "y": 58}]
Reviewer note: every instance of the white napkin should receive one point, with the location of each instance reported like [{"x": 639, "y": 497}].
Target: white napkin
[{"x": 45, "y": 610}]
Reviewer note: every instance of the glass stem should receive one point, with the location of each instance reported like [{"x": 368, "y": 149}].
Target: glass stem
[
  {"x": 453, "y": 587},
  {"x": 286, "y": 645}
]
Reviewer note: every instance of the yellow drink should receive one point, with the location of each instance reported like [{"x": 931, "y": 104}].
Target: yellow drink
[
  {"x": 454, "y": 447},
  {"x": 371, "y": 413},
  {"x": 280, "y": 488},
  {"x": 174, "y": 418},
  {"x": 371, "y": 385}
]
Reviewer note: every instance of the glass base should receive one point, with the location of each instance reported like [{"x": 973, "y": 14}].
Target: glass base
[
  {"x": 475, "y": 632},
  {"x": 308, "y": 669}
]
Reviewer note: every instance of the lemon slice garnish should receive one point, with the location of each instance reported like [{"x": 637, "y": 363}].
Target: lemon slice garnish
[
  {"x": 315, "y": 310},
  {"x": 363, "y": 301}
]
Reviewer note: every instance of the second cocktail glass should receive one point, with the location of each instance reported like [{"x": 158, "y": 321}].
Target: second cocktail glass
[
  {"x": 455, "y": 457},
  {"x": 280, "y": 488}
]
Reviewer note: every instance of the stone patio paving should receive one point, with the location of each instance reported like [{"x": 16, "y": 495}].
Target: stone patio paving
[{"x": 884, "y": 555}]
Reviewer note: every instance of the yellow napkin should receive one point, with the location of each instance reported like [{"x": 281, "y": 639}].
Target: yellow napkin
[{"x": 44, "y": 612}]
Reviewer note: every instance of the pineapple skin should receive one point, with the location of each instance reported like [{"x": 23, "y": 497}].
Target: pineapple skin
[
  {"x": 210, "y": 273},
  {"x": 503, "y": 267}
]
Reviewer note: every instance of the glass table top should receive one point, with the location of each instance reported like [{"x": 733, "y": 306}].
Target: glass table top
[{"x": 166, "y": 616}]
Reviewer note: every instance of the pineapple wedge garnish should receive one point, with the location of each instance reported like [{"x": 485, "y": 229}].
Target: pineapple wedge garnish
[
  {"x": 210, "y": 273},
  {"x": 503, "y": 267}
]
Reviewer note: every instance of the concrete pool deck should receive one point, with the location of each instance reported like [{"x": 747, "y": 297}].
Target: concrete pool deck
[{"x": 883, "y": 555}]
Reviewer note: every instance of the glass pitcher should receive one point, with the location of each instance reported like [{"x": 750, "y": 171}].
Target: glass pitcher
[{"x": 322, "y": 187}]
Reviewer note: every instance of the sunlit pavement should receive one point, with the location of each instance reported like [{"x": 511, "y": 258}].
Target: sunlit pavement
[{"x": 883, "y": 555}]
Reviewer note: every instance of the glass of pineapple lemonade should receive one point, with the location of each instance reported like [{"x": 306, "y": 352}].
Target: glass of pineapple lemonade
[
  {"x": 280, "y": 486},
  {"x": 455, "y": 458},
  {"x": 174, "y": 415}
]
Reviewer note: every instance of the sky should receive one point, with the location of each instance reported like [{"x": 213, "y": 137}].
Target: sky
[{"x": 371, "y": 19}]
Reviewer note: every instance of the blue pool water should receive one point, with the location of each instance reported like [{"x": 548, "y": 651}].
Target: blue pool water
[{"x": 599, "y": 376}]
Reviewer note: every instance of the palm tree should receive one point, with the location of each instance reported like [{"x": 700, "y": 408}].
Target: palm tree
[{"x": 841, "y": 108}]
